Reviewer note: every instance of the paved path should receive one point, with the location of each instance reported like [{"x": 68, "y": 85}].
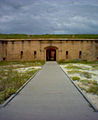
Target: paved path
[{"x": 49, "y": 96}]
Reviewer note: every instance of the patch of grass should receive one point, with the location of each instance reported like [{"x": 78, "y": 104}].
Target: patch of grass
[
  {"x": 78, "y": 61},
  {"x": 76, "y": 78},
  {"x": 11, "y": 80},
  {"x": 33, "y": 63},
  {"x": 87, "y": 75},
  {"x": 73, "y": 67},
  {"x": 70, "y": 61},
  {"x": 74, "y": 72},
  {"x": 95, "y": 66},
  {"x": 88, "y": 82},
  {"x": 84, "y": 82},
  {"x": 93, "y": 89},
  {"x": 90, "y": 86},
  {"x": 26, "y": 36},
  {"x": 82, "y": 88},
  {"x": 26, "y": 63},
  {"x": 82, "y": 73}
]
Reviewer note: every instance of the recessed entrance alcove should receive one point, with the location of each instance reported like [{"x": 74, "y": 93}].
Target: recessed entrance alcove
[{"x": 51, "y": 53}]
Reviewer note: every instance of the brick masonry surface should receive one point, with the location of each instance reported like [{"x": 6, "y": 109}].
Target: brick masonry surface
[{"x": 36, "y": 49}]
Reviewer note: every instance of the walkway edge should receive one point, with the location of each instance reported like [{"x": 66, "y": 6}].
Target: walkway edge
[
  {"x": 14, "y": 95},
  {"x": 86, "y": 98}
]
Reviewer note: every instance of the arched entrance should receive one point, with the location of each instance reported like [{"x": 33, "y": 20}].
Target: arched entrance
[{"x": 51, "y": 54}]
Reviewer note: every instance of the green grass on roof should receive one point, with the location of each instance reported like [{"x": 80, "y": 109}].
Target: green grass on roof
[{"x": 70, "y": 36}]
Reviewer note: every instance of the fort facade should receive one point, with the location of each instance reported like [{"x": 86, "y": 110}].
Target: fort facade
[{"x": 48, "y": 49}]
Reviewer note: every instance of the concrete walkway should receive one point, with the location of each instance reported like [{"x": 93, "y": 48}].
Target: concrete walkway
[{"x": 49, "y": 96}]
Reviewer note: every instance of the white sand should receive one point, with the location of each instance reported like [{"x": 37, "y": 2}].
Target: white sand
[
  {"x": 93, "y": 98},
  {"x": 94, "y": 73},
  {"x": 27, "y": 69}
]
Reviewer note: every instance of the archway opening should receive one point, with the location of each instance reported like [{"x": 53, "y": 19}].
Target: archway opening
[{"x": 51, "y": 54}]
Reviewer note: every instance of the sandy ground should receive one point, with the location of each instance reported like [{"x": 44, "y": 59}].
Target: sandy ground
[
  {"x": 85, "y": 68},
  {"x": 27, "y": 69},
  {"x": 92, "y": 97}
]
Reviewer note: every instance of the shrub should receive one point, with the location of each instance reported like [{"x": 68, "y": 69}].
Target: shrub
[{"x": 75, "y": 78}]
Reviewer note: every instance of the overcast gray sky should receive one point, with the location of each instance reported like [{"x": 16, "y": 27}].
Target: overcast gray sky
[{"x": 49, "y": 16}]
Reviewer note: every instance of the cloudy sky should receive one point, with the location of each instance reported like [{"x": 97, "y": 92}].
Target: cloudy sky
[{"x": 49, "y": 16}]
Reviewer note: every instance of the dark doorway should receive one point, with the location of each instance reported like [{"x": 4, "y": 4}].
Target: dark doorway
[{"x": 51, "y": 54}]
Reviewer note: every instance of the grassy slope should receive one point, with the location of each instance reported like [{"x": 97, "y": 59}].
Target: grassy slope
[{"x": 25, "y": 36}]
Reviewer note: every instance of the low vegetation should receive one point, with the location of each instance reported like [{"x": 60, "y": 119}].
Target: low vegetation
[
  {"x": 84, "y": 74},
  {"x": 78, "y": 61},
  {"x": 90, "y": 86},
  {"x": 70, "y": 66},
  {"x": 11, "y": 79},
  {"x": 70, "y": 36},
  {"x": 74, "y": 71},
  {"x": 25, "y": 63},
  {"x": 75, "y": 78},
  {"x": 93, "y": 89},
  {"x": 81, "y": 73},
  {"x": 73, "y": 67},
  {"x": 87, "y": 75}
]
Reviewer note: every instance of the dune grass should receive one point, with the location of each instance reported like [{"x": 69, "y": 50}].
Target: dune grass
[
  {"x": 11, "y": 80},
  {"x": 73, "y": 67},
  {"x": 83, "y": 75},
  {"x": 76, "y": 78}
]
